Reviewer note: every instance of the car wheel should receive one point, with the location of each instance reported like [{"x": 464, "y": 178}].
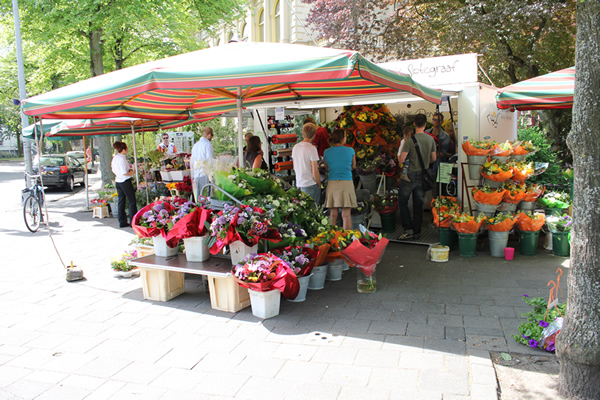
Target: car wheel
[{"x": 70, "y": 184}]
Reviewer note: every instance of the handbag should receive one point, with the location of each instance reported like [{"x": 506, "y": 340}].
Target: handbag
[{"x": 428, "y": 175}]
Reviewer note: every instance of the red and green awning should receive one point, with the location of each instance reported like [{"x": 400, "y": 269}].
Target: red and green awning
[
  {"x": 204, "y": 83},
  {"x": 553, "y": 90}
]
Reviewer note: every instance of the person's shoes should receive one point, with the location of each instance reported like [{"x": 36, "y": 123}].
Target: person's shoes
[
  {"x": 405, "y": 178},
  {"x": 406, "y": 236},
  {"x": 124, "y": 226}
]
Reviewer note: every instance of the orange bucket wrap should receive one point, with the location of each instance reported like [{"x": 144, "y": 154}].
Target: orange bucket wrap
[
  {"x": 471, "y": 150},
  {"x": 525, "y": 223}
]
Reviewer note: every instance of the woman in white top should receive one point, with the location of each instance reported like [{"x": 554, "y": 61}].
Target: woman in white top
[{"x": 123, "y": 174}]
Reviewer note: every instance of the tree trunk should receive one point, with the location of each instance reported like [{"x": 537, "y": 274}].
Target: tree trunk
[
  {"x": 97, "y": 68},
  {"x": 578, "y": 344}
]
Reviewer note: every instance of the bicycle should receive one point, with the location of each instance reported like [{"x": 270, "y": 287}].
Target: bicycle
[{"x": 33, "y": 200}]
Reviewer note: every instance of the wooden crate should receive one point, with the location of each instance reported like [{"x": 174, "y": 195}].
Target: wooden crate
[
  {"x": 160, "y": 285},
  {"x": 227, "y": 295}
]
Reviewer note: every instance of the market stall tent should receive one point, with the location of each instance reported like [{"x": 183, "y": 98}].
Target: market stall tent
[
  {"x": 551, "y": 91},
  {"x": 209, "y": 82}
]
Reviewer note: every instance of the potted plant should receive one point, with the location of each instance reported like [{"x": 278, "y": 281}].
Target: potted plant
[
  {"x": 561, "y": 234},
  {"x": 555, "y": 203},
  {"x": 266, "y": 276},
  {"x": 467, "y": 227},
  {"x": 536, "y": 332},
  {"x": 444, "y": 208},
  {"x": 122, "y": 267},
  {"x": 386, "y": 206}
]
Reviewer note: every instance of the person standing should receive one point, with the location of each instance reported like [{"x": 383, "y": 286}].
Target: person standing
[
  {"x": 202, "y": 155},
  {"x": 253, "y": 156},
  {"x": 444, "y": 139},
  {"x": 321, "y": 140},
  {"x": 123, "y": 173},
  {"x": 340, "y": 161},
  {"x": 166, "y": 147},
  {"x": 306, "y": 167},
  {"x": 426, "y": 147}
]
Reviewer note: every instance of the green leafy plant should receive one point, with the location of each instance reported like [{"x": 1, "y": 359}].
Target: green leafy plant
[
  {"x": 122, "y": 263},
  {"x": 546, "y": 153},
  {"x": 530, "y": 332}
]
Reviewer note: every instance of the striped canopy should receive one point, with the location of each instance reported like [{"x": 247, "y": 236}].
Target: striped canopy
[
  {"x": 205, "y": 83},
  {"x": 71, "y": 129},
  {"x": 553, "y": 90}
]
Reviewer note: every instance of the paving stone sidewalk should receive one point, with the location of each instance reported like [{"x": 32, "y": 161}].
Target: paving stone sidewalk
[{"x": 425, "y": 334}]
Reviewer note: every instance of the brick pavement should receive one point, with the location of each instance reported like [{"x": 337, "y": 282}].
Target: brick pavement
[{"x": 425, "y": 334}]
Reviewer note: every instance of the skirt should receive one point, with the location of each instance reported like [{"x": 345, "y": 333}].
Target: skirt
[{"x": 340, "y": 194}]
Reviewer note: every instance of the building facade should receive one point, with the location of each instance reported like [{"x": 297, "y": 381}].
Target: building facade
[{"x": 276, "y": 21}]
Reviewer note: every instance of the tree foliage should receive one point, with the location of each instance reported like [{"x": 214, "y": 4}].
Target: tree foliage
[{"x": 518, "y": 39}]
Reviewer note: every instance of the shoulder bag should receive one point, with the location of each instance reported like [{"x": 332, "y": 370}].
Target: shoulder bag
[{"x": 428, "y": 175}]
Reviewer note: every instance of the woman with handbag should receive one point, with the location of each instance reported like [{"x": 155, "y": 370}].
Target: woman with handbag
[{"x": 420, "y": 151}]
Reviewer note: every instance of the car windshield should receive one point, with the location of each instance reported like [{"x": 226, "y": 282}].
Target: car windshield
[{"x": 53, "y": 161}]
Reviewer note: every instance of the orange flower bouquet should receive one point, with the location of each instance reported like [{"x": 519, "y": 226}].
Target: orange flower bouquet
[
  {"x": 501, "y": 149},
  {"x": 501, "y": 222},
  {"x": 496, "y": 170},
  {"x": 465, "y": 223},
  {"x": 524, "y": 148},
  {"x": 513, "y": 192},
  {"x": 487, "y": 195},
  {"x": 475, "y": 148},
  {"x": 521, "y": 170},
  {"x": 533, "y": 192},
  {"x": 530, "y": 222},
  {"x": 444, "y": 208}
]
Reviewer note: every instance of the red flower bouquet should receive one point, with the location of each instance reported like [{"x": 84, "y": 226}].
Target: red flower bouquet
[{"x": 264, "y": 272}]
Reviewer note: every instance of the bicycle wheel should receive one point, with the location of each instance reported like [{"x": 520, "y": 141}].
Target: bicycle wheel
[{"x": 32, "y": 213}]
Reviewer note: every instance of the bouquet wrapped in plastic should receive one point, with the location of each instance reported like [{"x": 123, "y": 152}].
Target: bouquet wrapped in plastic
[
  {"x": 501, "y": 149},
  {"x": 476, "y": 148},
  {"x": 153, "y": 219},
  {"x": 530, "y": 222},
  {"x": 189, "y": 220},
  {"x": 521, "y": 170},
  {"x": 465, "y": 223},
  {"x": 444, "y": 208},
  {"x": 555, "y": 200},
  {"x": 533, "y": 192},
  {"x": 264, "y": 272},
  {"x": 496, "y": 170},
  {"x": 301, "y": 259},
  {"x": 365, "y": 250},
  {"x": 487, "y": 195},
  {"x": 513, "y": 192},
  {"x": 525, "y": 147},
  {"x": 501, "y": 222}
]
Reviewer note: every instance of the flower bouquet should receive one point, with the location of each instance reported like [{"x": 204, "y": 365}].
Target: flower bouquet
[
  {"x": 264, "y": 272},
  {"x": 243, "y": 223},
  {"x": 529, "y": 222},
  {"x": 533, "y": 192},
  {"x": 387, "y": 164},
  {"x": 560, "y": 224},
  {"x": 465, "y": 223},
  {"x": 559, "y": 200},
  {"x": 363, "y": 249},
  {"x": 444, "y": 208},
  {"x": 501, "y": 149},
  {"x": 513, "y": 192},
  {"x": 98, "y": 202},
  {"x": 322, "y": 242},
  {"x": 524, "y": 148},
  {"x": 386, "y": 204},
  {"x": 476, "y": 148},
  {"x": 365, "y": 119},
  {"x": 291, "y": 233},
  {"x": 366, "y": 165},
  {"x": 487, "y": 195},
  {"x": 189, "y": 219},
  {"x": 521, "y": 170},
  {"x": 301, "y": 259},
  {"x": 501, "y": 222},
  {"x": 496, "y": 170},
  {"x": 153, "y": 219}
]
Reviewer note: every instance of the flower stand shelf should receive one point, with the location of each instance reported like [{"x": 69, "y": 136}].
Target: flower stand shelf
[
  {"x": 100, "y": 212},
  {"x": 162, "y": 279}
]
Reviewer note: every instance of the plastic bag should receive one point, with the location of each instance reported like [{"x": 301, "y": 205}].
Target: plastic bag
[{"x": 549, "y": 334}]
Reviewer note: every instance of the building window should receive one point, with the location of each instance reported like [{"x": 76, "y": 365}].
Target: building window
[
  {"x": 261, "y": 25},
  {"x": 246, "y": 33},
  {"x": 277, "y": 21}
]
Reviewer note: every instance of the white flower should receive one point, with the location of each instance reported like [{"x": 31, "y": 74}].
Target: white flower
[{"x": 276, "y": 203}]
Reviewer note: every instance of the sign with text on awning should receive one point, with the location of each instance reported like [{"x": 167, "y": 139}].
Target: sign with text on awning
[{"x": 445, "y": 70}]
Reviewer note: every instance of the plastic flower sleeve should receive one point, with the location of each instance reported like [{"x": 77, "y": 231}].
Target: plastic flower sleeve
[
  {"x": 363, "y": 257},
  {"x": 190, "y": 225}
]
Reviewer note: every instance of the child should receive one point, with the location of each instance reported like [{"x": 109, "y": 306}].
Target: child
[{"x": 408, "y": 133}]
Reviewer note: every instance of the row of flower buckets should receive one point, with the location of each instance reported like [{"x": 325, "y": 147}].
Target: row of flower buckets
[{"x": 498, "y": 241}]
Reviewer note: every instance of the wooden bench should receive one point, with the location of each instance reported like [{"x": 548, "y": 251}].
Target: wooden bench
[{"x": 163, "y": 279}]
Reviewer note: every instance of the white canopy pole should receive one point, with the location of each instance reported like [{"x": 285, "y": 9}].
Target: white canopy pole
[
  {"x": 137, "y": 179},
  {"x": 87, "y": 193},
  {"x": 240, "y": 128}
]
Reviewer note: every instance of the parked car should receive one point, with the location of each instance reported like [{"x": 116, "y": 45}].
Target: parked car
[
  {"x": 82, "y": 158},
  {"x": 60, "y": 170}
]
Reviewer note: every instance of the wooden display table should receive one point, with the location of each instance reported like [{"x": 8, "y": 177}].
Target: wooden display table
[{"x": 163, "y": 279}]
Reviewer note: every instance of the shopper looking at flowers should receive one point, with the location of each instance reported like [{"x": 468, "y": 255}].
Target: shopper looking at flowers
[
  {"x": 412, "y": 226},
  {"x": 202, "y": 154},
  {"x": 340, "y": 161},
  {"x": 306, "y": 164},
  {"x": 253, "y": 156},
  {"x": 123, "y": 173}
]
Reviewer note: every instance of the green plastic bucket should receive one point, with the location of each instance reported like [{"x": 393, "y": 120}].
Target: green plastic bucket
[
  {"x": 388, "y": 222},
  {"x": 528, "y": 242},
  {"x": 561, "y": 244},
  {"x": 447, "y": 238},
  {"x": 467, "y": 244},
  {"x": 498, "y": 241}
]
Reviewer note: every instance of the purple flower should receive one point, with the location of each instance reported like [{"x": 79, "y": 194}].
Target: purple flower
[
  {"x": 524, "y": 295},
  {"x": 550, "y": 346},
  {"x": 157, "y": 207},
  {"x": 525, "y": 337},
  {"x": 533, "y": 343},
  {"x": 544, "y": 324}
]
